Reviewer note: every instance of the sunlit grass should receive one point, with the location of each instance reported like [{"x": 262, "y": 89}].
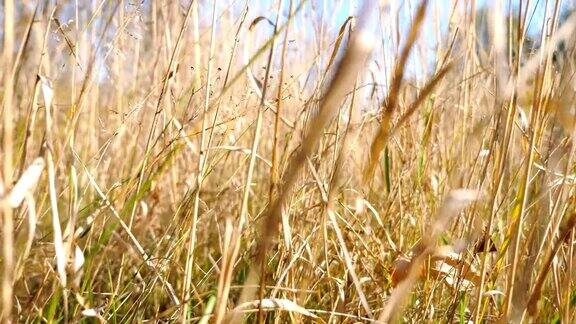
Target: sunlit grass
[{"x": 280, "y": 161}]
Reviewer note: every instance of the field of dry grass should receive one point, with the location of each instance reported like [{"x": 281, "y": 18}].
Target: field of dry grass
[{"x": 287, "y": 161}]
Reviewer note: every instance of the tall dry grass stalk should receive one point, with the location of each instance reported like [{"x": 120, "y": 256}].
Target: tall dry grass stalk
[
  {"x": 7, "y": 168},
  {"x": 346, "y": 72},
  {"x": 288, "y": 161}
]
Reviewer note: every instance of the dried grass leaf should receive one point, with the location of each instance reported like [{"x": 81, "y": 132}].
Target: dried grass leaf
[
  {"x": 26, "y": 183},
  {"x": 408, "y": 272},
  {"x": 273, "y": 304}
]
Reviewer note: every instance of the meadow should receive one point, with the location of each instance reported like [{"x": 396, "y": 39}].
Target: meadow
[{"x": 287, "y": 161}]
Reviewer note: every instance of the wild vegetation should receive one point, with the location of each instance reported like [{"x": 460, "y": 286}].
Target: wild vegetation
[{"x": 287, "y": 161}]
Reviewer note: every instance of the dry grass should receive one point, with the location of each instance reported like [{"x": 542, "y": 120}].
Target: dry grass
[{"x": 287, "y": 161}]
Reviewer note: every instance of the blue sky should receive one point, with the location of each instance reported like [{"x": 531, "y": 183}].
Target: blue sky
[{"x": 336, "y": 11}]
